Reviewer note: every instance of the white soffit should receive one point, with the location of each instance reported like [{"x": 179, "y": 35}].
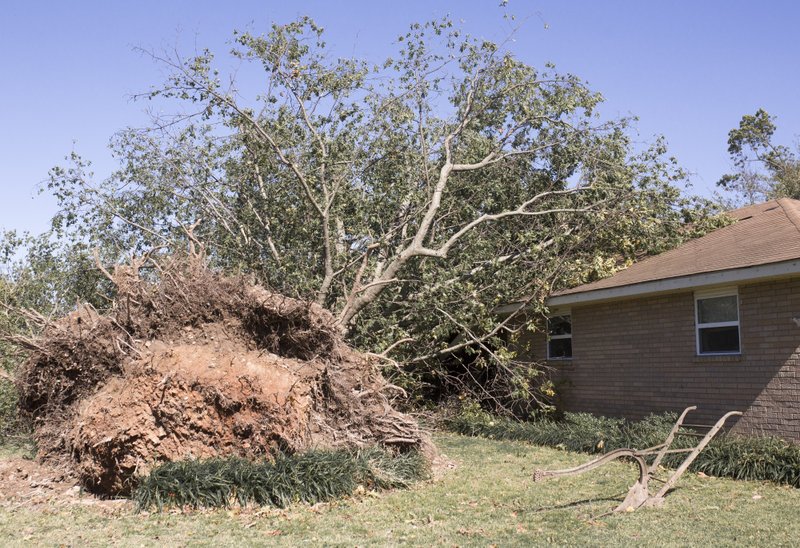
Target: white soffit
[{"x": 736, "y": 275}]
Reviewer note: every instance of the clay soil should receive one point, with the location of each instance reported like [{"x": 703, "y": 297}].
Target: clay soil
[{"x": 191, "y": 364}]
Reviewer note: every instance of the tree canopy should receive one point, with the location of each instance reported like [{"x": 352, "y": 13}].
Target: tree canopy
[
  {"x": 410, "y": 198},
  {"x": 763, "y": 170}
]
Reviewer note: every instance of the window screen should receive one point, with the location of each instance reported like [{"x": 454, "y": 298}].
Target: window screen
[
  {"x": 559, "y": 337},
  {"x": 718, "y": 325}
]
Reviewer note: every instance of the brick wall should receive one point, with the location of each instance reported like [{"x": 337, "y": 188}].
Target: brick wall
[{"x": 637, "y": 356}]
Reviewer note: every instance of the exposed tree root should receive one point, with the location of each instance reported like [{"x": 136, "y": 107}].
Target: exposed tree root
[{"x": 188, "y": 363}]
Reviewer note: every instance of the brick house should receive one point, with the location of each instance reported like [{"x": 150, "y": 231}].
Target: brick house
[{"x": 713, "y": 323}]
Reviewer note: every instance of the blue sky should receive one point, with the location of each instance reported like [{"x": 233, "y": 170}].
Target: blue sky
[{"x": 688, "y": 69}]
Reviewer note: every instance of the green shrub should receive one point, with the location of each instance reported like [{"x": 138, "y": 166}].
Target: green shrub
[
  {"x": 763, "y": 458},
  {"x": 311, "y": 477},
  {"x": 580, "y": 432},
  {"x": 753, "y": 458}
]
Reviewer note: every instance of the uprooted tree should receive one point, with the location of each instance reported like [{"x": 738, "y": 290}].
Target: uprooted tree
[
  {"x": 409, "y": 199},
  {"x": 187, "y": 363}
]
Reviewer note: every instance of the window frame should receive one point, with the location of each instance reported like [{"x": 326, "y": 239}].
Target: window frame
[
  {"x": 712, "y": 294},
  {"x": 559, "y": 314}
]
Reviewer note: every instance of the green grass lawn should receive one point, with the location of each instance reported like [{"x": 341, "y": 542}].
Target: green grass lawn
[{"x": 489, "y": 499}]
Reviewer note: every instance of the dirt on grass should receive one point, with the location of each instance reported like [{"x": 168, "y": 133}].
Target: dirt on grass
[
  {"x": 25, "y": 483},
  {"x": 187, "y": 363}
]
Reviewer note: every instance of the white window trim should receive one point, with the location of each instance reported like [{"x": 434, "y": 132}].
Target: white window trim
[
  {"x": 710, "y": 294},
  {"x": 558, "y": 314}
]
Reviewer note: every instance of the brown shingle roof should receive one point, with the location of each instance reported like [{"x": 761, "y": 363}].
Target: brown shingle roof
[{"x": 762, "y": 234}]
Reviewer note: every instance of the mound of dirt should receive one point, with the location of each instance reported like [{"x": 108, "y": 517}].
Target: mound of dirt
[{"x": 191, "y": 364}]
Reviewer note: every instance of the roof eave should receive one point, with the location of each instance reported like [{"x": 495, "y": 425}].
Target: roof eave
[{"x": 669, "y": 285}]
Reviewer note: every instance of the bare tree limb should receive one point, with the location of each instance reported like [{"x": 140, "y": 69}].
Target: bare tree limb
[{"x": 100, "y": 266}]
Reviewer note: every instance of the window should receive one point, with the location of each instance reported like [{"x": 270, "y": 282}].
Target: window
[
  {"x": 559, "y": 337},
  {"x": 717, "y": 321}
]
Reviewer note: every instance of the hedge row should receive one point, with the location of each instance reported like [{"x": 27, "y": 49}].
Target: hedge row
[
  {"x": 752, "y": 458},
  {"x": 312, "y": 477}
]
